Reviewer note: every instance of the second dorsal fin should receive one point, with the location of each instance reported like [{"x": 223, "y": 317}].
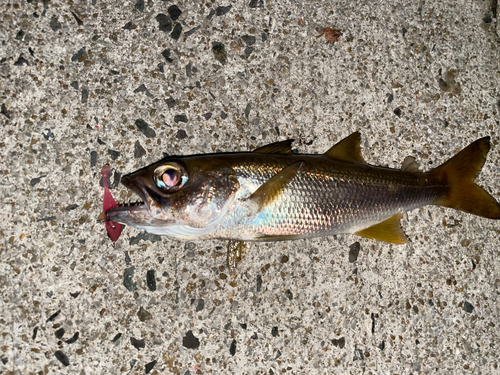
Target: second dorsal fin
[
  {"x": 283, "y": 147},
  {"x": 347, "y": 149}
]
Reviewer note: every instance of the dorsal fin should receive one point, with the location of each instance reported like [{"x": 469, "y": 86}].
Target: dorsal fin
[
  {"x": 388, "y": 231},
  {"x": 283, "y": 147},
  {"x": 271, "y": 189},
  {"x": 347, "y": 149}
]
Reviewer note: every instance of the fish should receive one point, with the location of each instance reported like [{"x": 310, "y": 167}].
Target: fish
[{"x": 274, "y": 194}]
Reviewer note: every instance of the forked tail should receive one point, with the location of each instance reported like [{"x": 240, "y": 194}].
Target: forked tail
[{"x": 459, "y": 173}]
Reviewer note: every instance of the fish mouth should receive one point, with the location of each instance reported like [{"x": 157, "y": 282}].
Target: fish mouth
[
  {"x": 129, "y": 206},
  {"x": 126, "y": 212},
  {"x": 147, "y": 210},
  {"x": 130, "y": 209}
]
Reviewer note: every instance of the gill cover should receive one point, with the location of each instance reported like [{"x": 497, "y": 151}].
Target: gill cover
[{"x": 205, "y": 198}]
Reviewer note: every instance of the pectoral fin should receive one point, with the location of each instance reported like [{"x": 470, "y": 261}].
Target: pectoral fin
[
  {"x": 347, "y": 149},
  {"x": 283, "y": 147},
  {"x": 270, "y": 190},
  {"x": 388, "y": 231}
]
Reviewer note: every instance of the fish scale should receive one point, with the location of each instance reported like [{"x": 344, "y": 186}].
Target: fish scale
[{"x": 326, "y": 197}]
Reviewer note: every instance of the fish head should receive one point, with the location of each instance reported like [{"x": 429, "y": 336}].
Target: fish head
[{"x": 176, "y": 191}]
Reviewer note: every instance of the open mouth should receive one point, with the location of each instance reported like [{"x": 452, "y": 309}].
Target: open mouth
[
  {"x": 136, "y": 212},
  {"x": 130, "y": 207},
  {"x": 115, "y": 213}
]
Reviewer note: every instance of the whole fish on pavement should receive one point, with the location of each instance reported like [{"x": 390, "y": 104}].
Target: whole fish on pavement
[{"x": 273, "y": 194}]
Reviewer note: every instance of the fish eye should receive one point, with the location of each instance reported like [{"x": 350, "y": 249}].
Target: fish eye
[{"x": 170, "y": 177}]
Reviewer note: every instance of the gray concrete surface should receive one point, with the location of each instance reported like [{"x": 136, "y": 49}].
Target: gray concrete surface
[{"x": 416, "y": 78}]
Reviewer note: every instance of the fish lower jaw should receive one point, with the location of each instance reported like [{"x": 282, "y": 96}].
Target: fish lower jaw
[{"x": 129, "y": 208}]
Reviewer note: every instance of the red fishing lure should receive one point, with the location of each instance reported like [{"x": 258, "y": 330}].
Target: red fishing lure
[{"x": 114, "y": 229}]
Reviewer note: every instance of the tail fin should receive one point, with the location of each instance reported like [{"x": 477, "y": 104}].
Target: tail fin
[{"x": 459, "y": 173}]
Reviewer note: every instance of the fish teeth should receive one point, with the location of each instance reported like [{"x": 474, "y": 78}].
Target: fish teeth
[{"x": 128, "y": 203}]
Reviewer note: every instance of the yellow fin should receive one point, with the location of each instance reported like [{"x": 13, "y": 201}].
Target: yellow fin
[
  {"x": 347, "y": 149},
  {"x": 388, "y": 231},
  {"x": 283, "y": 147},
  {"x": 270, "y": 190},
  {"x": 458, "y": 175}
]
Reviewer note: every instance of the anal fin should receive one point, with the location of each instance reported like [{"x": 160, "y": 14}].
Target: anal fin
[{"x": 388, "y": 231}]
